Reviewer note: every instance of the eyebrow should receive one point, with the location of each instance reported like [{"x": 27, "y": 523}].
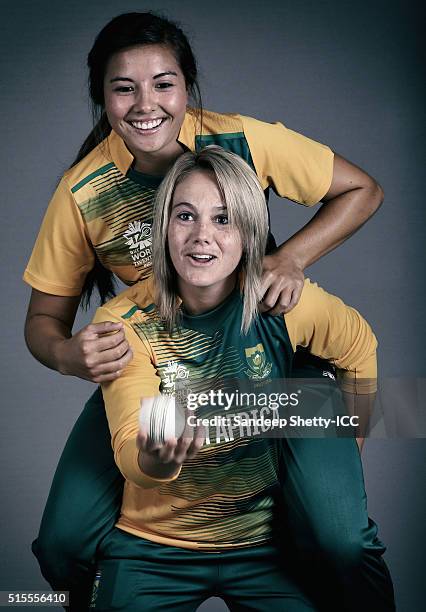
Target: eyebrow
[
  {"x": 218, "y": 207},
  {"x": 121, "y": 79},
  {"x": 167, "y": 73},
  {"x": 157, "y": 76}
]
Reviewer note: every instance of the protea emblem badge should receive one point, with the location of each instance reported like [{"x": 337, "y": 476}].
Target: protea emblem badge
[{"x": 258, "y": 367}]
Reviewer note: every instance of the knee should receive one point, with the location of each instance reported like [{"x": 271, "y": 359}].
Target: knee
[
  {"x": 56, "y": 551},
  {"x": 342, "y": 553},
  {"x": 56, "y": 544},
  {"x": 348, "y": 548}
]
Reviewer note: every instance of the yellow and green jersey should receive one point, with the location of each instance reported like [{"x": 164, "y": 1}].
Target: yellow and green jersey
[
  {"x": 103, "y": 206},
  {"x": 225, "y": 496}
]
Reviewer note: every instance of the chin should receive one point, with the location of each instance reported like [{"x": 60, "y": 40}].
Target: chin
[
  {"x": 148, "y": 147},
  {"x": 199, "y": 283}
]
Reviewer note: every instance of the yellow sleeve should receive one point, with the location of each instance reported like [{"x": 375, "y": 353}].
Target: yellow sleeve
[
  {"x": 322, "y": 323},
  {"x": 123, "y": 400},
  {"x": 62, "y": 255},
  {"x": 296, "y": 167}
]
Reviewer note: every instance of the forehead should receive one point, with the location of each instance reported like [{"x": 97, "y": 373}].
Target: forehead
[
  {"x": 199, "y": 187},
  {"x": 143, "y": 58}
]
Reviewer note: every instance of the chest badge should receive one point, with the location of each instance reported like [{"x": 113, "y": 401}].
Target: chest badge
[
  {"x": 173, "y": 373},
  {"x": 258, "y": 367},
  {"x": 138, "y": 238}
]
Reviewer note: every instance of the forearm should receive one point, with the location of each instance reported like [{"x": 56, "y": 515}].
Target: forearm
[
  {"x": 337, "y": 219},
  {"x": 361, "y": 407},
  {"x": 44, "y": 336}
]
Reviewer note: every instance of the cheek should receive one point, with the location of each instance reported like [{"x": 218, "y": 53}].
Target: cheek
[
  {"x": 173, "y": 244},
  {"x": 110, "y": 110},
  {"x": 232, "y": 247},
  {"x": 115, "y": 108},
  {"x": 178, "y": 103}
]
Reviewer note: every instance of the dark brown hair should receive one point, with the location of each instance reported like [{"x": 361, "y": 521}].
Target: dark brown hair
[{"x": 124, "y": 31}]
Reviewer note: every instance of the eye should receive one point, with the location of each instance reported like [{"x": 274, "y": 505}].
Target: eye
[
  {"x": 124, "y": 89},
  {"x": 163, "y": 85},
  {"x": 185, "y": 216},
  {"x": 222, "y": 219}
]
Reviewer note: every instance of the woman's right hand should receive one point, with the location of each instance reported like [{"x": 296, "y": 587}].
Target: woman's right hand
[
  {"x": 163, "y": 460},
  {"x": 98, "y": 352}
]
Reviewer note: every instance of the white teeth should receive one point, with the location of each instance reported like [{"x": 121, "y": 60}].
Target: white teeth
[
  {"x": 202, "y": 256},
  {"x": 146, "y": 125}
]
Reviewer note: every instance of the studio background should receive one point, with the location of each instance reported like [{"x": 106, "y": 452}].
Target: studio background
[{"x": 346, "y": 74}]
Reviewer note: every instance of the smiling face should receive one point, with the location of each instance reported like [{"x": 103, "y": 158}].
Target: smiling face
[
  {"x": 145, "y": 102},
  {"x": 204, "y": 248}
]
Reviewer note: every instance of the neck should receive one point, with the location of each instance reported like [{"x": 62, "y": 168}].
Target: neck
[
  {"x": 159, "y": 162},
  {"x": 198, "y": 300}
]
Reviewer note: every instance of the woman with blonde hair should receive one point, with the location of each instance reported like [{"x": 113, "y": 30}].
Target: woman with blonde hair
[{"x": 241, "y": 496}]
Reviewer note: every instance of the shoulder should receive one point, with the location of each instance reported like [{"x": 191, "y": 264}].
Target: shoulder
[
  {"x": 314, "y": 311},
  {"x": 135, "y": 304},
  {"x": 87, "y": 177},
  {"x": 315, "y": 304},
  {"x": 225, "y": 130},
  {"x": 234, "y": 123},
  {"x": 224, "y": 123},
  {"x": 93, "y": 161}
]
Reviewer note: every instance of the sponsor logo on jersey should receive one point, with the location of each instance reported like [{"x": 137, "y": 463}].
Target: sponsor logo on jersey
[
  {"x": 258, "y": 367},
  {"x": 138, "y": 238}
]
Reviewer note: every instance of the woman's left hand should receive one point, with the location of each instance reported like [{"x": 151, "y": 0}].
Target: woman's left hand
[{"x": 282, "y": 283}]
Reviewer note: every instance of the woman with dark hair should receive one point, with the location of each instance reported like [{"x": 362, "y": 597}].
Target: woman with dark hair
[
  {"x": 183, "y": 500},
  {"x": 142, "y": 74}
]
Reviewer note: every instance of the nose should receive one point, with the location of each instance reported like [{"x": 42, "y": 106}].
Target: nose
[
  {"x": 145, "y": 101},
  {"x": 202, "y": 232}
]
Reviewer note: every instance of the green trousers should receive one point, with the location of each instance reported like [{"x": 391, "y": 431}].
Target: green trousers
[
  {"x": 326, "y": 532},
  {"x": 135, "y": 574}
]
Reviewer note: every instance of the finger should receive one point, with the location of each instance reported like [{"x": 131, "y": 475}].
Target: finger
[
  {"x": 103, "y": 378},
  {"x": 181, "y": 450},
  {"x": 271, "y": 298},
  {"x": 113, "y": 354},
  {"x": 282, "y": 302},
  {"x": 147, "y": 444},
  {"x": 167, "y": 451},
  {"x": 101, "y": 369},
  {"x": 262, "y": 307},
  {"x": 142, "y": 439},
  {"x": 295, "y": 297},
  {"x": 188, "y": 430},
  {"x": 153, "y": 447},
  {"x": 197, "y": 442},
  {"x": 185, "y": 439},
  {"x": 91, "y": 345},
  {"x": 102, "y": 328},
  {"x": 112, "y": 371},
  {"x": 266, "y": 281},
  {"x": 105, "y": 342}
]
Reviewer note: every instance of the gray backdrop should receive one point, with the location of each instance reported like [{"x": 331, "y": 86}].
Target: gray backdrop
[{"x": 344, "y": 73}]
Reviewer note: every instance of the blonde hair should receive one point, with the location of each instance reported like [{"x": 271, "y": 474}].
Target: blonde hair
[{"x": 247, "y": 211}]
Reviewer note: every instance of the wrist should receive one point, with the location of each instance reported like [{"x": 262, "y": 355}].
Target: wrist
[
  {"x": 58, "y": 351},
  {"x": 286, "y": 252}
]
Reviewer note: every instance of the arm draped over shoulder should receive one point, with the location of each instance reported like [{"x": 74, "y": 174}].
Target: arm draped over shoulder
[{"x": 334, "y": 331}]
